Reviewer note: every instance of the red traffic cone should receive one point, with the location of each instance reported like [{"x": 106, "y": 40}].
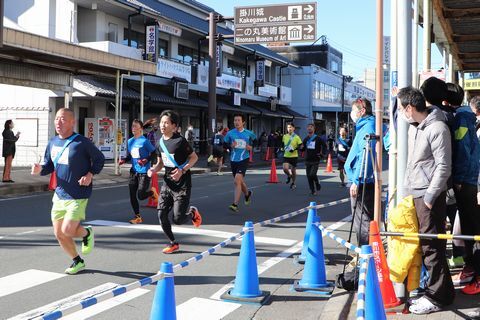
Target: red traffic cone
[
  {"x": 273, "y": 173},
  {"x": 52, "y": 185},
  {"x": 329, "y": 164},
  {"x": 268, "y": 154},
  {"x": 153, "y": 202},
  {"x": 390, "y": 300}
]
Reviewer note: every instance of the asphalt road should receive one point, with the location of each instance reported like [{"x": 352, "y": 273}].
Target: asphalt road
[{"x": 32, "y": 263}]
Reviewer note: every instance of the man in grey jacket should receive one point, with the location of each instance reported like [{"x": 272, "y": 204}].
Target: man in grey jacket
[{"x": 428, "y": 169}]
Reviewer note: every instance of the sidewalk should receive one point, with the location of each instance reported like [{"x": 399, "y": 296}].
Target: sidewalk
[{"x": 26, "y": 183}]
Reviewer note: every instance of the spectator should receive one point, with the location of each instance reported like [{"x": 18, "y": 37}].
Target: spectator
[
  {"x": 8, "y": 151},
  {"x": 427, "y": 172},
  {"x": 189, "y": 135},
  {"x": 362, "y": 201},
  {"x": 343, "y": 148}
]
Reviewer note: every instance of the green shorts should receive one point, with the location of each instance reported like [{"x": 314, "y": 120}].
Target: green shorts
[{"x": 68, "y": 209}]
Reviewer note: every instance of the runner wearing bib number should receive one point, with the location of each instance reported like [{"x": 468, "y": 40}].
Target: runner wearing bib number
[
  {"x": 217, "y": 150},
  {"x": 241, "y": 142},
  {"x": 177, "y": 156},
  {"x": 291, "y": 143},
  {"x": 312, "y": 145},
  {"x": 139, "y": 153},
  {"x": 343, "y": 147}
]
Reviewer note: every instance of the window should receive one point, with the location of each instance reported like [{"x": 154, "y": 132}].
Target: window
[
  {"x": 112, "y": 32},
  {"x": 334, "y": 66},
  {"x": 386, "y": 94},
  {"x": 386, "y": 76},
  {"x": 185, "y": 54},
  {"x": 162, "y": 48},
  {"x": 137, "y": 38},
  {"x": 236, "y": 68},
  {"x": 267, "y": 74}
]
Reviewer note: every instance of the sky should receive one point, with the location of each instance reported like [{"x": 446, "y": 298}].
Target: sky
[{"x": 349, "y": 25}]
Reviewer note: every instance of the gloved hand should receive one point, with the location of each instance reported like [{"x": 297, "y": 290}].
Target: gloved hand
[
  {"x": 142, "y": 162},
  {"x": 120, "y": 162}
]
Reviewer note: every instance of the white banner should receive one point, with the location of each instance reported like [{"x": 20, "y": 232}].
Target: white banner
[
  {"x": 167, "y": 28},
  {"x": 169, "y": 69},
  {"x": 250, "y": 89},
  {"x": 268, "y": 91},
  {"x": 229, "y": 82},
  {"x": 151, "y": 43}
]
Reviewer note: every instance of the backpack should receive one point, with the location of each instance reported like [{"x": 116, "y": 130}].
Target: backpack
[{"x": 348, "y": 280}]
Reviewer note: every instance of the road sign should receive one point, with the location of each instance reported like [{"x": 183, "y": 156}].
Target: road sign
[{"x": 276, "y": 23}]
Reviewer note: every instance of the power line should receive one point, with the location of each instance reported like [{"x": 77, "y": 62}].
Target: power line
[{"x": 353, "y": 52}]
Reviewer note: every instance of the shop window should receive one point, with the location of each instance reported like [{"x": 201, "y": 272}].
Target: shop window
[{"x": 236, "y": 68}]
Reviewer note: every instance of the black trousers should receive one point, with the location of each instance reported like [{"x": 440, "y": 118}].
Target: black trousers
[
  {"x": 439, "y": 288},
  {"x": 139, "y": 186},
  {"x": 363, "y": 215},
  {"x": 469, "y": 212},
  {"x": 179, "y": 201},
  {"x": 312, "y": 169}
]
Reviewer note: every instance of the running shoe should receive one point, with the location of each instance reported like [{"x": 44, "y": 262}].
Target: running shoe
[
  {"x": 155, "y": 194},
  {"x": 456, "y": 262},
  {"x": 248, "y": 197},
  {"x": 88, "y": 242},
  {"x": 474, "y": 315},
  {"x": 465, "y": 276},
  {"x": 319, "y": 187},
  {"x": 423, "y": 306},
  {"x": 288, "y": 180},
  {"x": 313, "y": 193},
  {"x": 75, "y": 267},
  {"x": 138, "y": 219},
  {"x": 171, "y": 248},
  {"x": 293, "y": 186},
  {"x": 210, "y": 158},
  {"x": 473, "y": 287},
  {"x": 196, "y": 216},
  {"x": 233, "y": 207},
  {"x": 219, "y": 173}
]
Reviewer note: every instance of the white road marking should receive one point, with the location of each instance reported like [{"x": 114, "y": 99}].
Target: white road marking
[
  {"x": 88, "y": 312},
  {"x": 183, "y": 230},
  {"x": 26, "y": 279},
  {"x": 19, "y": 233},
  {"x": 278, "y": 258},
  {"x": 199, "y": 308}
]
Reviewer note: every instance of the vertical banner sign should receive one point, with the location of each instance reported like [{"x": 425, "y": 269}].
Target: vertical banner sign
[
  {"x": 219, "y": 62},
  {"x": 151, "y": 45},
  {"x": 260, "y": 73}
]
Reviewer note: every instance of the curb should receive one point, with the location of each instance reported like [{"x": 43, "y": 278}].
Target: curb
[{"x": 338, "y": 306}]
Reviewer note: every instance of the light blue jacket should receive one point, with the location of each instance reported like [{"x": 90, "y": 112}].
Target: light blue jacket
[{"x": 353, "y": 164}]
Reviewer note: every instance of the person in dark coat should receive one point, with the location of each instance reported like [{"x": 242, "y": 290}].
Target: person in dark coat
[{"x": 8, "y": 151}]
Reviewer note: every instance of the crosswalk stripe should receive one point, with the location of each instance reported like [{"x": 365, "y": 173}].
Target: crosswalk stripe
[
  {"x": 183, "y": 230},
  {"x": 91, "y": 311},
  {"x": 200, "y": 308},
  {"x": 26, "y": 279}
]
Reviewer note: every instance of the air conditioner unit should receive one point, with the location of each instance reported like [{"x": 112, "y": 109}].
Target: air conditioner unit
[{"x": 181, "y": 90}]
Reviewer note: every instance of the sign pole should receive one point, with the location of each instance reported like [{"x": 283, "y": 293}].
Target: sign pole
[{"x": 212, "y": 76}]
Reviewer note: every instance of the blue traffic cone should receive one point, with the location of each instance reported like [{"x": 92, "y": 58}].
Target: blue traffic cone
[
  {"x": 246, "y": 288},
  {"x": 163, "y": 307},
  {"x": 311, "y": 218},
  {"x": 314, "y": 275},
  {"x": 373, "y": 296}
]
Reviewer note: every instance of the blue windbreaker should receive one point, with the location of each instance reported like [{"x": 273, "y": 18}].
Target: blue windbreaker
[{"x": 353, "y": 165}]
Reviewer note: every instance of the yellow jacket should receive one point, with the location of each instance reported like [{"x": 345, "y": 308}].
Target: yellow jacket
[{"x": 404, "y": 254}]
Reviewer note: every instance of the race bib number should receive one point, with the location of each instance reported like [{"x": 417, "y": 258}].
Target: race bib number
[
  {"x": 311, "y": 145},
  {"x": 135, "y": 153},
  {"x": 166, "y": 160},
  {"x": 63, "y": 158},
  {"x": 240, "y": 144},
  {"x": 341, "y": 147}
]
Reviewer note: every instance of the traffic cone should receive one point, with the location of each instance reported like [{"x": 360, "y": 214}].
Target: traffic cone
[
  {"x": 311, "y": 218},
  {"x": 329, "y": 164},
  {"x": 246, "y": 287},
  {"x": 390, "y": 300},
  {"x": 314, "y": 276},
  {"x": 273, "y": 173},
  {"x": 163, "y": 307},
  {"x": 268, "y": 154},
  {"x": 52, "y": 185},
  {"x": 373, "y": 301},
  {"x": 152, "y": 203}
]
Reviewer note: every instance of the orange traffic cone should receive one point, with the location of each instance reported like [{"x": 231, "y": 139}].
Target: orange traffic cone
[
  {"x": 390, "y": 300},
  {"x": 273, "y": 173},
  {"x": 268, "y": 154},
  {"x": 52, "y": 185},
  {"x": 152, "y": 202},
  {"x": 329, "y": 164}
]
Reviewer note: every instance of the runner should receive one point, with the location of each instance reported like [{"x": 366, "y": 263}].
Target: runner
[
  {"x": 139, "y": 152},
  {"x": 177, "y": 156},
  {"x": 291, "y": 143},
  {"x": 343, "y": 147},
  {"x": 217, "y": 150},
  {"x": 240, "y": 141},
  {"x": 74, "y": 160},
  {"x": 312, "y": 145}
]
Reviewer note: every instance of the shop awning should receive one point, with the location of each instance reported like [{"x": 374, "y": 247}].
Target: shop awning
[
  {"x": 101, "y": 87},
  {"x": 266, "y": 111},
  {"x": 155, "y": 95},
  {"x": 293, "y": 113},
  {"x": 242, "y": 109}
]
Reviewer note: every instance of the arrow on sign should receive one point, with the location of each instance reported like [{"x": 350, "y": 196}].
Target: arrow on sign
[
  {"x": 308, "y": 8},
  {"x": 309, "y": 29}
]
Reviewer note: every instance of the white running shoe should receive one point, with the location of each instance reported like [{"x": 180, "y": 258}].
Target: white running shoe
[{"x": 423, "y": 306}]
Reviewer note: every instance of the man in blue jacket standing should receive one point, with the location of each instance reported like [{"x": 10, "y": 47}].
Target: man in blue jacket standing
[
  {"x": 362, "y": 189},
  {"x": 465, "y": 168}
]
